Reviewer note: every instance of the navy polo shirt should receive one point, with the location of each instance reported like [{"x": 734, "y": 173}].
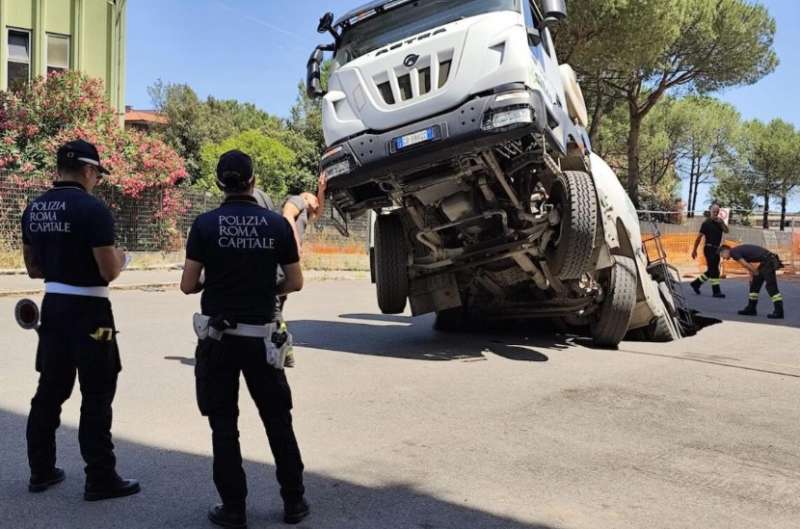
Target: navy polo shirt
[
  {"x": 240, "y": 245},
  {"x": 750, "y": 253},
  {"x": 62, "y": 226}
]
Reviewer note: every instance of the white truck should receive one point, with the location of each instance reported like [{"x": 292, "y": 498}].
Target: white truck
[{"x": 452, "y": 123}]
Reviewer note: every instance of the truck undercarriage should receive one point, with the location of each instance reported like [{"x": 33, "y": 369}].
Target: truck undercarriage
[{"x": 504, "y": 229}]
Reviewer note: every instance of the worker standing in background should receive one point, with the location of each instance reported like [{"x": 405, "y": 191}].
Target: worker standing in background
[
  {"x": 748, "y": 255},
  {"x": 239, "y": 247},
  {"x": 69, "y": 241},
  {"x": 712, "y": 230}
]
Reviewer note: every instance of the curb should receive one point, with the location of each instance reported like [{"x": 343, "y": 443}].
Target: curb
[
  {"x": 22, "y": 271},
  {"x": 312, "y": 276},
  {"x": 135, "y": 286}
]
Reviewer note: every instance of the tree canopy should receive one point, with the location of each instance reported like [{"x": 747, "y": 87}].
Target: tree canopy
[
  {"x": 272, "y": 160},
  {"x": 637, "y": 51},
  {"x": 197, "y": 128},
  {"x": 49, "y": 111}
]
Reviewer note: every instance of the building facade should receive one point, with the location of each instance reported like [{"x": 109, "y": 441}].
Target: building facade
[{"x": 42, "y": 36}]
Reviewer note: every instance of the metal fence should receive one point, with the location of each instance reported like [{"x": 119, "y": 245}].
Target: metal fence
[
  {"x": 159, "y": 220},
  {"x": 679, "y": 232}
]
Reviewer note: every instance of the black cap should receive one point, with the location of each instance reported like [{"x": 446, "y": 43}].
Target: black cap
[
  {"x": 234, "y": 171},
  {"x": 78, "y": 153}
]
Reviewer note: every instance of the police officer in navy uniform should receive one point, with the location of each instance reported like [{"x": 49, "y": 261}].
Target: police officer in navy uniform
[
  {"x": 238, "y": 248},
  {"x": 68, "y": 240},
  {"x": 750, "y": 255},
  {"x": 712, "y": 230}
]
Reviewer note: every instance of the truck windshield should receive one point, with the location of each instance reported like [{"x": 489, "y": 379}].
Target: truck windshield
[{"x": 411, "y": 19}]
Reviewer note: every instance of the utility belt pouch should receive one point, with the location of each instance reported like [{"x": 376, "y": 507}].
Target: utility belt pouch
[
  {"x": 214, "y": 328},
  {"x": 277, "y": 345},
  {"x": 200, "y": 324}
]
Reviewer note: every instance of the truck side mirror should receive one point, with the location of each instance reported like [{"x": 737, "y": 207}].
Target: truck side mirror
[
  {"x": 325, "y": 23},
  {"x": 554, "y": 11},
  {"x": 314, "y": 74},
  {"x": 326, "y": 26}
]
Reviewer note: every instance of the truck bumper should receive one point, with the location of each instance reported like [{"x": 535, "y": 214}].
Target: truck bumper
[{"x": 467, "y": 129}]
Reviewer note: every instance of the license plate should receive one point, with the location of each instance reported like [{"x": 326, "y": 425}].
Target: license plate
[{"x": 409, "y": 140}]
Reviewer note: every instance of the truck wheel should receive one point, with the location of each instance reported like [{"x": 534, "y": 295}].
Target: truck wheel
[
  {"x": 614, "y": 315},
  {"x": 571, "y": 253},
  {"x": 391, "y": 258}
]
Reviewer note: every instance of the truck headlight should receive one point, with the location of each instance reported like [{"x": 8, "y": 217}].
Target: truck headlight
[
  {"x": 339, "y": 168},
  {"x": 508, "y": 117}
]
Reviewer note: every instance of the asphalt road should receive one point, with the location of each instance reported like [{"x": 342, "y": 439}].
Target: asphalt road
[{"x": 403, "y": 427}]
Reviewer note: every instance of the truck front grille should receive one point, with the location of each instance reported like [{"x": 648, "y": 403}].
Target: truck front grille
[{"x": 400, "y": 84}]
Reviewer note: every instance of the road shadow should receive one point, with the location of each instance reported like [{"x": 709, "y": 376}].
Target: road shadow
[
  {"x": 177, "y": 490},
  {"x": 415, "y": 338},
  {"x": 184, "y": 360}
]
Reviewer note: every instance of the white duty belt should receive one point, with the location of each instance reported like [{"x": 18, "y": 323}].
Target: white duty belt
[
  {"x": 275, "y": 356},
  {"x": 72, "y": 290}
]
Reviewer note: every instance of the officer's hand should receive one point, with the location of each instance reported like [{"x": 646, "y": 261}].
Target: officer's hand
[
  {"x": 694, "y": 254},
  {"x": 323, "y": 181}
]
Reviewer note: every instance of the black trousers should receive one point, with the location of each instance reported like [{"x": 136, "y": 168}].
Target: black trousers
[
  {"x": 712, "y": 262},
  {"x": 217, "y": 370},
  {"x": 77, "y": 337},
  {"x": 766, "y": 274}
]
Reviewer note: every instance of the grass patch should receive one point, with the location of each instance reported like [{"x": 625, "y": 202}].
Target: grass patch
[
  {"x": 338, "y": 262},
  {"x": 11, "y": 259}
]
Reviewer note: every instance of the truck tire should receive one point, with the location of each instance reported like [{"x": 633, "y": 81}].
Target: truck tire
[
  {"x": 662, "y": 330},
  {"x": 571, "y": 254},
  {"x": 391, "y": 270},
  {"x": 614, "y": 315}
]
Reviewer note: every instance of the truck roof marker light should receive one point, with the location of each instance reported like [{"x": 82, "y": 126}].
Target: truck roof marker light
[
  {"x": 395, "y": 3},
  {"x": 362, "y": 16}
]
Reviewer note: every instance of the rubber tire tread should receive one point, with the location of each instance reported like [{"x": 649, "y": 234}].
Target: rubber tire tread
[
  {"x": 575, "y": 253},
  {"x": 391, "y": 271},
  {"x": 661, "y": 330},
  {"x": 617, "y": 309}
]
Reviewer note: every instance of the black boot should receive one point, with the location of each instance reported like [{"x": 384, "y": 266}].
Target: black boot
[
  {"x": 228, "y": 517},
  {"x": 114, "y": 488},
  {"x": 717, "y": 291},
  {"x": 777, "y": 314},
  {"x": 42, "y": 482},
  {"x": 750, "y": 309},
  {"x": 696, "y": 284},
  {"x": 295, "y": 511}
]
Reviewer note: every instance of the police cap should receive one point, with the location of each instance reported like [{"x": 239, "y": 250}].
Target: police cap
[
  {"x": 76, "y": 154},
  {"x": 234, "y": 171}
]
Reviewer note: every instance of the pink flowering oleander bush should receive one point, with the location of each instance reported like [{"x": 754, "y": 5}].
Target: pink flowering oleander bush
[{"x": 36, "y": 119}]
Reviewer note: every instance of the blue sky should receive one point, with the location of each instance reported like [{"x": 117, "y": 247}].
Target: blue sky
[{"x": 256, "y": 51}]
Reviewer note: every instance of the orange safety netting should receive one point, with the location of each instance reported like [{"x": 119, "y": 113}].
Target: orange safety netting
[{"x": 678, "y": 249}]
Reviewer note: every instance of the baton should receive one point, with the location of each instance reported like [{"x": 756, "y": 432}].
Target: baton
[{"x": 26, "y": 312}]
